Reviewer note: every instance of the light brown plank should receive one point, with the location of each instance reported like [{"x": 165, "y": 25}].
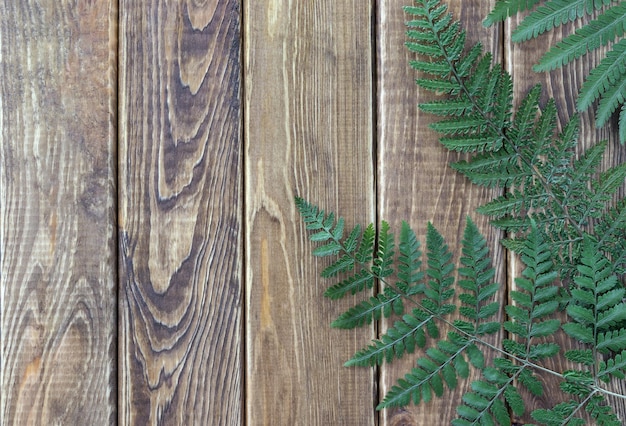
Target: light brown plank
[
  {"x": 414, "y": 182},
  {"x": 308, "y": 127},
  {"x": 57, "y": 226},
  {"x": 180, "y": 213},
  {"x": 563, "y": 85}
]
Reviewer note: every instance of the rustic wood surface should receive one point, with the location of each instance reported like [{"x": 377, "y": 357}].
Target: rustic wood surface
[
  {"x": 414, "y": 182},
  {"x": 57, "y": 225},
  {"x": 180, "y": 227},
  {"x": 308, "y": 127},
  {"x": 154, "y": 269}
]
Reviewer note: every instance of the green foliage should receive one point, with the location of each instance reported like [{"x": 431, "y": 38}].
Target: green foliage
[
  {"x": 607, "y": 81},
  {"x": 559, "y": 214}
]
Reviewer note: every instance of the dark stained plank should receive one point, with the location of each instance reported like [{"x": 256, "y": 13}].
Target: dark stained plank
[
  {"x": 308, "y": 126},
  {"x": 57, "y": 220},
  {"x": 180, "y": 213},
  {"x": 563, "y": 85},
  {"x": 414, "y": 182}
]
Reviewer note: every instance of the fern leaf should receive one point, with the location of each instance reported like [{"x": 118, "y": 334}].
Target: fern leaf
[
  {"x": 614, "y": 341},
  {"x": 484, "y": 405},
  {"x": 614, "y": 367},
  {"x": 611, "y": 99},
  {"x": 409, "y": 262},
  {"x": 492, "y": 169},
  {"x": 599, "y": 32},
  {"x": 559, "y": 415},
  {"x": 370, "y": 310},
  {"x": 475, "y": 277},
  {"x": 605, "y": 76},
  {"x": 453, "y": 107},
  {"x": 507, "y": 8},
  {"x": 553, "y": 14},
  {"x": 440, "y": 273},
  {"x": 401, "y": 338},
  {"x": 384, "y": 258},
  {"x": 601, "y": 411},
  {"x": 351, "y": 285},
  {"x": 441, "y": 365}
]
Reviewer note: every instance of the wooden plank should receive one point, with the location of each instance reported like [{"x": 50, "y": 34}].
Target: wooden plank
[
  {"x": 414, "y": 182},
  {"x": 57, "y": 223},
  {"x": 563, "y": 85},
  {"x": 180, "y": 213},
  {"x": 308, "y": 127}
]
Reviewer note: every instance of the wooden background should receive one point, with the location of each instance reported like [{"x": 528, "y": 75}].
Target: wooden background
[{"x": 154, "y": 268}]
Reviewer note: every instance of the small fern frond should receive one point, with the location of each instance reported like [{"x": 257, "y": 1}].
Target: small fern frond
[
  {"x": 384, "y": 257},
  {"x": 351, "y": 285},
  {"x": 409, "y": 262},
  {"x": 597, "y": 300},
  {"x": 553, "y": 14},
  {"x": 443, "y": 364},
  {"x": 475, "y": 276},
  {"x": 535, "y": 300},
  {"x": 506, "y": 8},
  {"x": 402, "y": 338},
  {"x": 370, "y": 310},
  {"x": 487, "y": 402},
  {"x": 599, "y": 32},
  {"x": 611, "y": 99},
  {"x": 440, "y": 273},
  {"x": 604, "y": 77}
]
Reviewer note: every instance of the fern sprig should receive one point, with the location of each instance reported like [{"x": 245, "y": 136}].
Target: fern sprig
[{"x": 604, "y": 82}]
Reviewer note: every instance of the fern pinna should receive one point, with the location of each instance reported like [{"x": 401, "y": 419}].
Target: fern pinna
[
  {"x": 558, "y": 212},
  {"x": 607, "y": 81}
]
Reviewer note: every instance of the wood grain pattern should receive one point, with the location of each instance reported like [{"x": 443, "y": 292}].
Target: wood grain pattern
[
  {"x": 414, "y": 181},
  {"x": 563, "y": 85},
  {"x": 180, "y": 213},
  {"x": 308, "y": 127},
  {"x": 57, "y": 223}
]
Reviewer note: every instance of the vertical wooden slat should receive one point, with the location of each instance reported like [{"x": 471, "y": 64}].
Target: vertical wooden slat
[
  {"x": 414, "y": 181},
  {"x": 308, "y": 132},
  {"x": 180, "y": 213},
  {"x": 563, "y": 85},
  {"x": 57, "y": 222}
]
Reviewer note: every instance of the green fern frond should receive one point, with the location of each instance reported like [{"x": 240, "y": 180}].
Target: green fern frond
[
  {"x": 409, "y": 262},
  {"x": 599, "y": 32},
  {"x": 613, "y": 367},
  {"x": 444, "y": 364},
  {"x": 597, "y": 301},
  {"x": 553, "y": 14},
  {"x": 351, "y": 285},
  {"x": 610, "y": 100},
  {"x": 506, "y": 8},
  {"x": 604, "y": 78},
  {"x": 440, "y": 273},
  {"x": 485, "y": 404},
  {"x": 384, "y": 257},
  {"x": 403, "y": 337},
  {"x": 475, "y": 276},
  {"x": 370, "y": 310},
  {"x": 605, "y": 82}
]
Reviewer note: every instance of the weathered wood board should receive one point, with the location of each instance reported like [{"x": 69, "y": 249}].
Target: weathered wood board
[
  {"x": 58, "y": 126},
  {"x": 415, "y": 183},
  {"x": 180, "y": 228},
  {"x": 309, "y": 133}
]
